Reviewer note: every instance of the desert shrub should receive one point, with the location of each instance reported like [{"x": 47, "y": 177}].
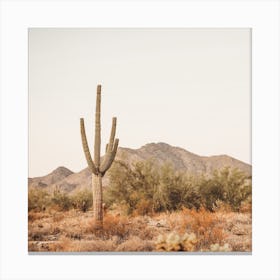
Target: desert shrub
[
  {"x": 135, "y": 244},
  {"x": 97, "y": 245},
  {"x": 205, "y": 225},
  {"x": 143, "y": 207},
  {"x": 146, "y": 188},
  {"x": 61, "y": 200},
  {"x": 231, "y": 186},
  {"x": 175, "y": 190},
  {"x": 34, "y": 215},
  {"x": 112, "y": 226},
  {"x": 237, "y": 187},
  {"x": 121, "y": 186},
  {"x": 132, "y": 187},
  {"x": 82, "y": 200},
  {"x": 211, "y": 192},
  {"x": 246, "y": 206},
  {"x": 38, "y": 199},
  {"x": 221, "y": 206},
  {"x": 115, "y": 225}
]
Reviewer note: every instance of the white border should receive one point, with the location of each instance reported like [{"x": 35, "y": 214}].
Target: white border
[{"x": 18, "y": 16}]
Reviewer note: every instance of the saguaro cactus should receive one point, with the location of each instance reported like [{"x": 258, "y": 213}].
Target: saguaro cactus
[{"x": 98, "y": 167}]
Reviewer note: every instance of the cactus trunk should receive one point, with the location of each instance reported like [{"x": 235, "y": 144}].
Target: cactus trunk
[
  {"x": 97, "y": 200},
  {"x": 98, "y": 168}
]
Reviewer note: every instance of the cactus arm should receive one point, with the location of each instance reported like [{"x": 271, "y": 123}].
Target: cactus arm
[
  {"x": 109, "y": 158},
  {"x": 86, "y": 149},
  {"x": 113, "y": 133},
  {"x": 97, "y": 139},
  {"x": 109, "y": 146}
]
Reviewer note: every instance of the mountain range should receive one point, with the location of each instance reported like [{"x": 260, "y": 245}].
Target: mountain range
[{"x": 181, "y": 159}]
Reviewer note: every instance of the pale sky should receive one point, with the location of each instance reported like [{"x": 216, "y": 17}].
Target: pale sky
[{"x": 186, "y": 87}]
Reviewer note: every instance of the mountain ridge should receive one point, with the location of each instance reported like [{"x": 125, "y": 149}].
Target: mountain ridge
[
  {"x": 181, "y": 159},
  {"x": 57, "y": 174}
]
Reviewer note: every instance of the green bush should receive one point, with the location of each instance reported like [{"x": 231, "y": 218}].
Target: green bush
[
  {"x": 38, "y": 199},
  {"x": 128, "y": 186},
  {"x": 237, "y": 187},
  {"x": 176, "y": 189},
  {"x": 61, "y": 200},
  {"x": 147, "y": 187},
  {"x": 82, "y": 200},
  {"x": 231, "y": 186}
]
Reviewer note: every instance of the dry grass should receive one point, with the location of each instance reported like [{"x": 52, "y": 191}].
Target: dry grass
[{"x": 73, "y": 231}]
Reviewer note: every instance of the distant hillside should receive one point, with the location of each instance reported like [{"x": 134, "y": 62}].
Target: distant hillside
[
  {"x": 57, "y": 175},
  {"x": 181, "y": 159}
]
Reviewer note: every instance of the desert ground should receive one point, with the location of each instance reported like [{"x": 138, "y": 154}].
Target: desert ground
[
  {"x": 147, "y": 208},
  {"x": 184, "y": 230}
]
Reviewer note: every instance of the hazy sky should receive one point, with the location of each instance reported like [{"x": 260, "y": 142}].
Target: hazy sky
[{"x": 186, "y": 87}]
